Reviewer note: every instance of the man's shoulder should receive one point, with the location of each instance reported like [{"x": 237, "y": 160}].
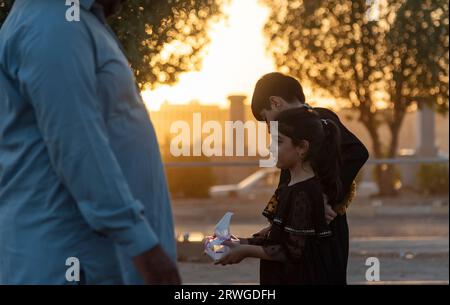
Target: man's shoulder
[
  {"x": 40, "y": 28},
  {"x": 43, "y": 18}
]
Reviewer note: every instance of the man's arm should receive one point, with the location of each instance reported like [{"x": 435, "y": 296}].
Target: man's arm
[{"x": 58, "y": 76}]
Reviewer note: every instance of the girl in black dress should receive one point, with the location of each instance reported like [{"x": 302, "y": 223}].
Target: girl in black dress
[{"x": 296, "y": 248}]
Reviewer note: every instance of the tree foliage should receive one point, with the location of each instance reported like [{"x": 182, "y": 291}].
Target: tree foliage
[
  {"x": 161, "y": 38},
  {"x": 382, "y": 57}
]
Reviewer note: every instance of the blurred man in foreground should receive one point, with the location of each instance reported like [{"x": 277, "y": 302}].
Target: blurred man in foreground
[{"x": 80, "y": 169}]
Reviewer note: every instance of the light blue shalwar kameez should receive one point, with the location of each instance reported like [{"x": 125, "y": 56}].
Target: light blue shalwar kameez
[{"x": 80, "y": 168}]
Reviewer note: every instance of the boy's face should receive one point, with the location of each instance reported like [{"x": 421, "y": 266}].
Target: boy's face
[{"x": 277, "y": 105}]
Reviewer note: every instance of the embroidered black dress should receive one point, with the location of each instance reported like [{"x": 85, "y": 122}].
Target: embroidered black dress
[
  {"x": 299, "y": 239},
  {"x": 354, "y": 156}
]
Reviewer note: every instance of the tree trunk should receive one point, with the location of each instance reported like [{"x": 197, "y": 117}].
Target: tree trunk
[{"x": 384, "y": 174}]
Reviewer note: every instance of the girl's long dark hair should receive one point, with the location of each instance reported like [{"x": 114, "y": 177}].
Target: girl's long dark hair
[{"x": 324, "y": 140}]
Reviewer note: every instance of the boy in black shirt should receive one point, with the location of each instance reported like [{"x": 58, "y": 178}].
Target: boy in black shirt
[{"x": 276, "y": 92}]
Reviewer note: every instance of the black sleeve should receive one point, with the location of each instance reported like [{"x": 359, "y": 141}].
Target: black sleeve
[
  {"x": 354, "y": 153},
  {"x": 257, "y": 239}
]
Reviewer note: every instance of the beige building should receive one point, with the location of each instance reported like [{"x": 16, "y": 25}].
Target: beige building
[{"x": 237, "y": 111}]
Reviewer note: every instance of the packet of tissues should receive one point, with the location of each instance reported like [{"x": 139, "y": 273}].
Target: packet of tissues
[{"x": 213, "y": 244}]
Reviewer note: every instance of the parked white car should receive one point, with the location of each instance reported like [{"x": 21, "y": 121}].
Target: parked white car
[{"x": 265, "y": 181}]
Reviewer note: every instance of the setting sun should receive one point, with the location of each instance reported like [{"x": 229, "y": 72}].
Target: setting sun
[{"x": 233, "y": 61}]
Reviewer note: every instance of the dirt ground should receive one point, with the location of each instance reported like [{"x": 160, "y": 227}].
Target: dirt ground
[
  {"x": 409, "y": 236},
  {"x": 433, "y": 270}
]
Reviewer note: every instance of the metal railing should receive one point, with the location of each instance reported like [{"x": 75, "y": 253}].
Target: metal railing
[{"x": 256, "y": 163}]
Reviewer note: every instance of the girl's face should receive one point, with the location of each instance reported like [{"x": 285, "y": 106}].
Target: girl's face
[{"x": 289, "y": 155}]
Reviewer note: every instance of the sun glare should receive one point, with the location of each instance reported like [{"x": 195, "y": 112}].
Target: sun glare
[{"x": 234, "y": 60}]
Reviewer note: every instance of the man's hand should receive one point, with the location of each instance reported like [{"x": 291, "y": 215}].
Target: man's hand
[
  {"x": 156, "y": 267},
  {"x": 330, "y": 214}
]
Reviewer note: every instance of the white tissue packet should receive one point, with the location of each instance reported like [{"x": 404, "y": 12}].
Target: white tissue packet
[{"x": 213, "y": 244}]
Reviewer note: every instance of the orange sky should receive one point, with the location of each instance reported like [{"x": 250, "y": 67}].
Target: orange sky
[{"x": 234, "y": 60}]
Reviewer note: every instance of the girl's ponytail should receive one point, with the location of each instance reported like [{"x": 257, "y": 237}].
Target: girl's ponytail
[{"x": 327, "y": 161}]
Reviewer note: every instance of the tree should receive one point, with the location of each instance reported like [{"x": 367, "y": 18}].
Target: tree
[
  {"x": 381, "y": 57},
  {"x": 164, "y": 38},
  {"x": 161, "y": 38}
]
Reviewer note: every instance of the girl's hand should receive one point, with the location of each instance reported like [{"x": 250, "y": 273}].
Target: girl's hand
[{"x": 237, "y": 253}]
